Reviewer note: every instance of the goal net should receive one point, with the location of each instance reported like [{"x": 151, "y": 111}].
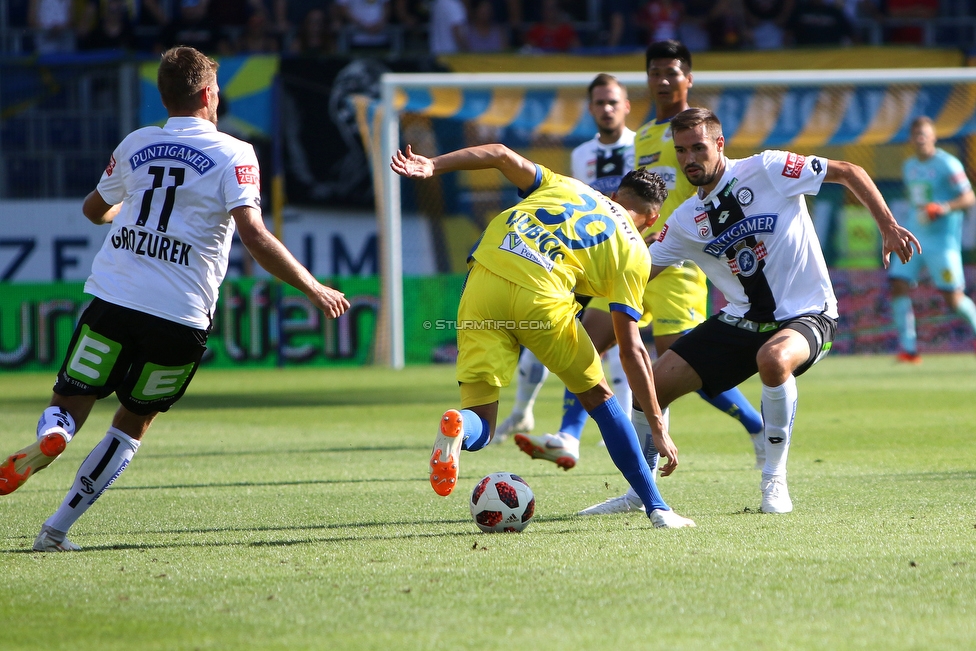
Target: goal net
[{"x": 858, "y": 115}]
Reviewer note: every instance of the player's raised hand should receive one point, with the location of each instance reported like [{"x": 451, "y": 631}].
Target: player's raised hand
[
  {"x": 898, "y": 240},
  {"x": 411, "y": 165}
]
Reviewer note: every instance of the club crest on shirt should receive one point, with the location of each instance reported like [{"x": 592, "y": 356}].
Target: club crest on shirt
[
  {"x": 744, "y": 196},
  {"x": 746, "y": 260}
]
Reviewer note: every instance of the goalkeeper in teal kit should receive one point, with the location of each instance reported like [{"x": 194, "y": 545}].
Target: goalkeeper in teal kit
[{"x": 938, "y": 192}]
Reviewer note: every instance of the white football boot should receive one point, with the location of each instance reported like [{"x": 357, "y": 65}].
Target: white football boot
[
  {"x": 445, "y": 453},
  {"x": 775, "y": 495},
  {"x": 50, "y": 541},
  {"x": 669, "y": 520},
  {"x": 625, "y": 503},
  {"x": 562, "y": 449},
  {"x": 516, "y": 423}
]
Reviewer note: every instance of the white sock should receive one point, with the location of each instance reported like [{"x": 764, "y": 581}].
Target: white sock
[
  {"x": 643, "y": 429},
  {"x": 98, "y": 471},
  {"x": 56, "y": 419},
  {"x": 778, "y": 411},
  {"x": 618, "y": 381},
  {"x": 531, "y": 376}
]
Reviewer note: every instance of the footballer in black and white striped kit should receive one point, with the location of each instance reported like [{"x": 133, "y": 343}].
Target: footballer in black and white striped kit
[
  {"x": 173, "y": 197},
  {"x": 749, "y": 230}
]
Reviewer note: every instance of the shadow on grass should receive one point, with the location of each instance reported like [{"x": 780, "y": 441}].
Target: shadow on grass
[
  {"x": 281, "y": 451},
  {"x": 332, "y": 397},
  {"x": 300, "y": 541},
  {"x": 329, "y": 398}
]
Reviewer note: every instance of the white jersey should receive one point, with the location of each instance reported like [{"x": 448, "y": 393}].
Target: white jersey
[
  {"x": 754, "y": 239},
  {"x": 167, "y": 252},
  {"x": 603, "y": 166}
]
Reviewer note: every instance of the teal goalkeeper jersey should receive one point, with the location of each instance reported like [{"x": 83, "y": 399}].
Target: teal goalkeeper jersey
[{"x": 939, "y": 179}]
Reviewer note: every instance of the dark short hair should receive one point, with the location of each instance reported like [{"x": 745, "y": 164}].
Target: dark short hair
[
  {"x": 646, "y": 185},
  {"x": 691, "y": 118},
  {"x": 921, "y": 120},
  {"x": 670, "y": 49},
  {"x": 183, "y": 73},
  {"x": 603, "y": 79}
]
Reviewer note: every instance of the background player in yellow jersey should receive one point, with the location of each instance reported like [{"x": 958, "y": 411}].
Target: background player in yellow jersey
[
  {"x": 677, "y": 299},
  {"x": 563, "y": 236}
]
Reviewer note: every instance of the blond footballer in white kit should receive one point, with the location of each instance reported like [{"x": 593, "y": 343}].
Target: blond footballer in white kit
[{"x": 173, "y": 196}]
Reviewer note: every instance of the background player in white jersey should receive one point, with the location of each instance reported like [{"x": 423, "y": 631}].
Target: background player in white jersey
[
  {"x": 749, "y": 230},
  {"x": 173, "y": 196},
  {"x": 938, "y": 192}
]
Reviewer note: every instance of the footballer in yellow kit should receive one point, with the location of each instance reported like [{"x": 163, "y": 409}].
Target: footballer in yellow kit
[
  {"x": 678, "y": 298},
  {"x": 527, "y": 264}
]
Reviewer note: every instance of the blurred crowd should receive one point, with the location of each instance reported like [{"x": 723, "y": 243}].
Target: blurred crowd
[{"x": 321, "y": 27}]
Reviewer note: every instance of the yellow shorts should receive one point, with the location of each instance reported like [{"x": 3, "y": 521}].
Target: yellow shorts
[
  {"x": 675, "y": 301},
  {"x": 496, "y": 316}
]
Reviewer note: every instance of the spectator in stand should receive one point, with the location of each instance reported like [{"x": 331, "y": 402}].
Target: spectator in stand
[
  {"x": 910, "y": 10},
  {"x": 448, "y": 27},
  {"x": 112, "y": 27},
  {"x": 54, "y": 23},
  {"x": 148, "y": 21},
  {"x": 694, "y": 24},
  {"x": 819, "y": 22},
  {"x": 258, "y": 36},
  {"x": 484, "y": 33},
  {"x": 412, "y": 16},
  {"x": 192, "y": 28},
  {"x": 553, "y": 33},
  {"x": 619, "y": 23},
  {"x": 367, "y": 22},
  {"x": 766, "y": 20},
  {"x": 659, "y": 19},
  {"x": 727, "y": 26},
  {"x": 315, "y": 37}
]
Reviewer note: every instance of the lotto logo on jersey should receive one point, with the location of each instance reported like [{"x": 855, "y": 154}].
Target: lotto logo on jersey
[
  {"x": 794, "y": 165},
  {"x": 248, "y": 175},
  {"x": 111, "y": 166}
]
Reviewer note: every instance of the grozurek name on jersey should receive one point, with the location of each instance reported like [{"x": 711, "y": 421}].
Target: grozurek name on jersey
[{"x": 152, "y": 245}]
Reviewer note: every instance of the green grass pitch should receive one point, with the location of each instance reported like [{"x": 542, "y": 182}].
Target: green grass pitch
[{"x": 291, "y": 510}]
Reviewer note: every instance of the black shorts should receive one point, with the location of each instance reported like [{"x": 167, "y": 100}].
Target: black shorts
[
  {"x": 724, "y": 355},
  {"x": 146, "y": 361}
]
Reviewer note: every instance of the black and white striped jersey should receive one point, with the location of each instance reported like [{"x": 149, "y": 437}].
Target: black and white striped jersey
[
  {"x": 167, "y": 252},
  {"x": 754, "y": 239},
  {"x": 602, "y": 166}
]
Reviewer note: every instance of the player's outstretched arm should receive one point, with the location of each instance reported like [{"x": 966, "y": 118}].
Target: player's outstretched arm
[
  {"x": 637, "y": 367},
  {"x": 97, "y": 210},
  {"x": 517, "y": 169},
  {"x": 894, "y": 238},
  {"x": 277, "y": 260}
]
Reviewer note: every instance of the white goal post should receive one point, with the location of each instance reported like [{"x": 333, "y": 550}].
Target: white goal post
[{"x": 889, "y": 114}]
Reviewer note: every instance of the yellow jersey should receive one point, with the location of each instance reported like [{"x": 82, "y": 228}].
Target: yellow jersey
[
  {"x": 654, "y": 150},
  {"x": 564, "y": 236}
]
